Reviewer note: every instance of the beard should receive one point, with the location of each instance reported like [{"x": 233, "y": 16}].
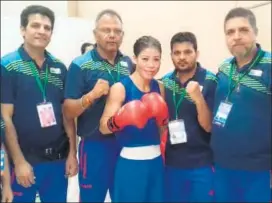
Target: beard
[
  {"x": 244, "y": 53},
  {"x": 189, "y": 69}
]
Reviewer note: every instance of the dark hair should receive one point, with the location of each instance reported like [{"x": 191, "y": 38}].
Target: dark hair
[
  {"x": 37, "y": 9},
  {"x": 107, "y": 12},
  {"x": 84, "y": 46},
  {"x": 146, "y": 42},
  {"x": 244, "y": 13},
  {"x": 181, "y": 37},
  {"x": 133, "y": 68}
]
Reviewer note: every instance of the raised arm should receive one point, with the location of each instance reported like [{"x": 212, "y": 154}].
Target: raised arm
[
  {"x": 76, "y": 102},
  {"x": 204, "y": 114},
  {"x": 113, "y": 104}
]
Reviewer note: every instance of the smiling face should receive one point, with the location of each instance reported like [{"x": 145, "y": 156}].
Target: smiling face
[
  {"x": 38, "y": 31},
  {"x": 148, "y": 62},
  {"x": 240, "y": 36}
]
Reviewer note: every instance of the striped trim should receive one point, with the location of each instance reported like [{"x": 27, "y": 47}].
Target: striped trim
[
  {"x": 265, "y": 60},
  {"x": 102, "y": 66},
  {"x": 211, "y": 76},
  {"x": 2, "y": 124},
  {"x": 24, "y": 67},
  {"x": 246, "y": 80},
  {"x": 169, "y": 83}
]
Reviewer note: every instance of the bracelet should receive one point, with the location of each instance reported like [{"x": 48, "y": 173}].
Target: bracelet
[
  {"x": 81, "y": 102},
  {"x": 89, "y": 102}
]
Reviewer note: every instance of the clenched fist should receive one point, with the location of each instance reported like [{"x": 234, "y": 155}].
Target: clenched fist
[
  {"x": 101, "y": 88},
  {"x": 194, "y": 90}
]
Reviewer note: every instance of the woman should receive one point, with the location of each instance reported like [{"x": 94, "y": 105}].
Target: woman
[
  {"x": 135, "y": 111},
  {"x": 6, "y": 192}
]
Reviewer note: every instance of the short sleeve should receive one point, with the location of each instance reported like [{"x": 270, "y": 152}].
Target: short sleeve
[
  {"x": 74, "y": 83},
  {"x": 8, "y": 86}
]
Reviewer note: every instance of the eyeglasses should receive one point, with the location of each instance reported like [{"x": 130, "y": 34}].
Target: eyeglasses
[{"x": 107, "y": 31}]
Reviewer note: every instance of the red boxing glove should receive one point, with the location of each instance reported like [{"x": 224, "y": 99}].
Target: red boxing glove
[
  {"x": 132, "y": 113},
  {"x": 157, "y": 107}
]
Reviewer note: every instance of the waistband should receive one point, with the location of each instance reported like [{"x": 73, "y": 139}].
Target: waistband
[{"x": 141, "y": 153}]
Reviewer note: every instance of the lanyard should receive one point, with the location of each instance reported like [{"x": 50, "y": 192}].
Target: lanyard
[
  {"x": 38, "y": 80},
  {"x": 177, "y": 104},
  {"x": 233, "y": 83},
  {"x": 118, "y": 73}
]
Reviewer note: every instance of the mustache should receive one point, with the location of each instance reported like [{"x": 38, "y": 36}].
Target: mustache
[
  {"x": 188, "y": 70},
  {"x": 182, "y": 61}
]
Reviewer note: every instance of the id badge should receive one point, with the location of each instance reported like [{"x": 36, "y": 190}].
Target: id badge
[
  {"x": 2, "y": 161},
  {"x": 177, "y": 132},
  {"x": 46, "y": 115},
  {"x": 222, "y": 114}
]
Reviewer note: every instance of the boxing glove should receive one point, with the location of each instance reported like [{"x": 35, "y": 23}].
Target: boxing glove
[
  {"x": 157, "y": 107},
  {"x": 132, "y": 113}
]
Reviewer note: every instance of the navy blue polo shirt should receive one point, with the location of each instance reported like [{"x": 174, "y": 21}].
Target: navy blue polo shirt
[
  {"x": 83, "y": 74},
  {"x": 19, "y": 87},
  {"x": 196, "y": 152},
  {"x": 245, "y": 140}
]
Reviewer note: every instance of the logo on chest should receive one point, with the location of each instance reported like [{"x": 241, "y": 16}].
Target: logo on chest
[{"x": 55, "y": 70}]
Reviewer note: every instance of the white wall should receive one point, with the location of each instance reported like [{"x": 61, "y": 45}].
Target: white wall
[
  {"x": 263, "y": 15},
  {"x": 14, "y": 8}
]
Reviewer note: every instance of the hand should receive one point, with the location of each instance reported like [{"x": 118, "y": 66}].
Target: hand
[
  {"x": 101, "y": 88},
  {"x": 7, "y": 195},
  {"x": 71, "y": 165},
  {"x": 193, "y": 89},
  {"x": 24, "y": 174}
]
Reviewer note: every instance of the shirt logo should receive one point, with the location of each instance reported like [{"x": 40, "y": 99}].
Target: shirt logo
[
  {"x": 257, "y": 73},
  {"x": 55, "y": 70},
  {"x": 124, "y": 63}
]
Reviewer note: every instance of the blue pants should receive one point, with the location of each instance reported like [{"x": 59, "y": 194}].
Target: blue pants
[
  {"x": 139, "y": 180},
  {"x": 97, "y": 161},
  {"x": 50, "y": 182},
  {"x": 241, "y": 186},
  {"x": 189, "y": 185}
]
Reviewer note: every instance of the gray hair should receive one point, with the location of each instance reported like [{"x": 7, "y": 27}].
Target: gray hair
[
  {"x": 244, "y": 13},
  {"x": 109, "y": 12}
]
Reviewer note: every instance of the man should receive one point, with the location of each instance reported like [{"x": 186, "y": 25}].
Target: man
[
  {"x": 42, "y": 147},
  {"x": 88, "y": 81},
  {"x": 6, "y": 194},
  {"x": 241, "y": 130},
  {"x": 86, "y": 47},
  {"x": 189, "y": 93}
]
